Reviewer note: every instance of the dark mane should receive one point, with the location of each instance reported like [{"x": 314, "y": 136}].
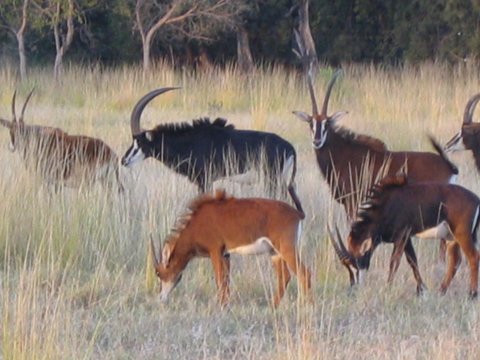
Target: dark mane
[
  {"x": 192, "y": 209},
  {"x": 185, "y": 127},
  {"x": 365, "y": 140},
  {"x": 372, "y": 203}
]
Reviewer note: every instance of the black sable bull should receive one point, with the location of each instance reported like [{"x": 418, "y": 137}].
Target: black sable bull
[
  {"x": 396, "y": 210},
  {"x": 205, "y": 151}
]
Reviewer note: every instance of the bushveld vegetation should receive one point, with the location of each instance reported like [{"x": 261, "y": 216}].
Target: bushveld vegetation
[{"x": 76, "y": 280}]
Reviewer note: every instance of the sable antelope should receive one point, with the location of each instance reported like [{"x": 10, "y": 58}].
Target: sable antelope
[
  {"x": 60, "y": 158},
  {"x": 396, "y": 210},
  {"x": 351, "y": 162},
  {"x": 216, "y": 226},
  {"x": 469, "y": 136},
  {"x": 201, "y": 151}
]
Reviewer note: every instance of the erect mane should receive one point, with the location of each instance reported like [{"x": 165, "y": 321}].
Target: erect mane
[
  {"x": 360, "y": 139},
  {"x": 185, "y": 127},
  {"x": 367, "y": 209},
  {"x": 192, "y": 210}
]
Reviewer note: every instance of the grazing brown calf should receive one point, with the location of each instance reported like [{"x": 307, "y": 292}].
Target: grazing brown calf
[
  {"x": 469, "y": 136},
  {"x": 60, "y": 158},
  {"x": 395, "y": 210},
  {"x": 216, "y": 226}
]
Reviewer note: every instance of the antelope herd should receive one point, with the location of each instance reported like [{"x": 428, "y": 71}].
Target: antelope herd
[{"x": 389, "y": 196}]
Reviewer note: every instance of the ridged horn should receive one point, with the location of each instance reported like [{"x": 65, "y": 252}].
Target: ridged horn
[
  {"x": 20, "y": 119},
  {"x": 138, "y": 109},
  {"x": 14, "y": 116},
  {"x": 329, "y": 91},
  {"x": 470, "y": 108}
]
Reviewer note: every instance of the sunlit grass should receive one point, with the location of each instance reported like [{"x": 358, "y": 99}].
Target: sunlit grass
[{"x": 75, "y": 278}]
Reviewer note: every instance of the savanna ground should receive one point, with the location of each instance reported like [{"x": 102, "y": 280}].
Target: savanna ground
[{"x": 75, "y": 276}]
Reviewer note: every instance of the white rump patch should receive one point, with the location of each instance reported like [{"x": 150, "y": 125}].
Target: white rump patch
[
  {"x": 441, "y": 231},
  {"x": 260, "y": 246},
  {"x": 453, "y": 179}
]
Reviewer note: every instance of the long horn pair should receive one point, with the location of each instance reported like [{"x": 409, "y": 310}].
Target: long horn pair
[
  {"x": 344, "y": 256},
  {"x": 20, "y": 119},
  {"x": 308, "y": 63},
  {"x": 138, "y": 109}
]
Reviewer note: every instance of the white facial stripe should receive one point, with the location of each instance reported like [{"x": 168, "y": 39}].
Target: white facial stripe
[
  {"x": 362, "y": 274},
  {"x": 167, "y": 288},
  {"x": 317, "y": 144},
  {"x": 135, "y": 155},
  {"x": 456, "y": 144}
]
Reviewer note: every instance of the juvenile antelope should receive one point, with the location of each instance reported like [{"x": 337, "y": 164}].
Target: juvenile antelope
[
  {"x": 469, "y": 136},
  {"x": 216, "y": 226},
  {"x": 396, "y": 210},
  {"x": 201, "y": 150},
  {"x": 60, "y": 158}
]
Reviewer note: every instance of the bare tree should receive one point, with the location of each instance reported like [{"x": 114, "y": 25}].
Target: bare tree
[
  {"x": 304, "y": 31},
  {"x": 244, "y": 54},
  {"x": 60, "y": 16},
  {"x": 15, "y": 19},
  {"x": 193, "y": 19}
]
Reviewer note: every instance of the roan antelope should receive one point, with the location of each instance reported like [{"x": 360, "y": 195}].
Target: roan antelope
[
  {"x": 206, "y": 151},
  {"x": 469, "y": 136},
  {"x": 216, "y": 226},
  {"x": 351, "y": 163},
  {"x": 60, "y": 158},
  {"x": 396, "y": 210}
]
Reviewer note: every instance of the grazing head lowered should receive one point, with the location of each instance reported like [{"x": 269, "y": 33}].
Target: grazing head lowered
[
  {"x": 60, "y": 158},
  {"x": 216, "y": 226},
  {"x": 351, "y": 162},
  {"x": 201, "y": 151},
  {"x": 468, "y": 138},
  {"x": 396, "y": 210}
]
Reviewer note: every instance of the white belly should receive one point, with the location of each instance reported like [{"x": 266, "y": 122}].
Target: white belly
[
  {"x": 441, "y": 231},
  {"x": 260, "y": 246}
]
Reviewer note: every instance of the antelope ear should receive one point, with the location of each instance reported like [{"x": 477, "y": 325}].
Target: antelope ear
[
  {"x": 367, "y": 245},
  {"x": 5, "y": 123},
  {"x": 149, "y": 136},
  {"x": 166, "y": 253},
  {"x": 302, "y": 115},
  {"x": 338, "y": 115}
]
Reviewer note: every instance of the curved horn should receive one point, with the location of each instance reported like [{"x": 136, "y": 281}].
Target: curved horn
[
  {"x": 334, "y": 243},
  {"x": 154, "y": 253},
  {"x": 13, "y": 107},
  {"x": 20, "y": 120},
  {"x": 311, "y": 90},
  {"x": 329, "y": 91},
  {"x": 138, "y": 109},
  {"x": 470, "y": 108}
]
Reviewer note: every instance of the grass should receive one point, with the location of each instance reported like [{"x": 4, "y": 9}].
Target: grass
[{"x": 75, "y": 278}]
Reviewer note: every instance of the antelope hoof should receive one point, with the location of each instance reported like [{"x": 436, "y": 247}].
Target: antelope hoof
[
  {"x": 473, "y": 294},
  {"x": 421, "y": 289}
]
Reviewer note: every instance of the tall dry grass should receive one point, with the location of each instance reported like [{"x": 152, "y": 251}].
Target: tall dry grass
[{"x": 75, "y": 278}]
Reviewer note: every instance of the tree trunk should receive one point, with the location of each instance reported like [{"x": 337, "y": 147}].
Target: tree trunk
[
  {"x": 20, "y": 34},
  {"x": 22, "y": 56},
  {"x": 244, "y": 55},
  {"x": 62, "y": 42},
  {"x": 305, "y": 33},
  {"x": 147, "y": 62}
]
